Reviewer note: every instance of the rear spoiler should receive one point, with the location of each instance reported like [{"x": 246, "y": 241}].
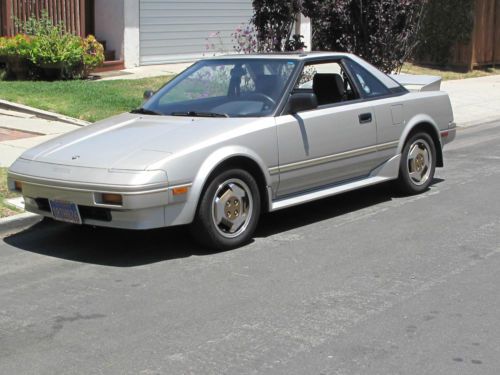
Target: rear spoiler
[{"x": 418, "y": 82}]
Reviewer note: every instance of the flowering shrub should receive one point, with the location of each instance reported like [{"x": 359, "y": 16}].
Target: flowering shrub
[
  {"x": 245, "y": 39},
  {"x": 93, "y": 53},
  {"x": 17, "y": 46},
  {"x": 214, "y": 43}
]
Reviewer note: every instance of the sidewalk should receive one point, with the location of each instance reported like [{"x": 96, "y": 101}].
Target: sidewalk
[
  {"x": 20, "y": 131},
  {"x": 146, "y": 71},
  {"x": 474, "y": 100}
]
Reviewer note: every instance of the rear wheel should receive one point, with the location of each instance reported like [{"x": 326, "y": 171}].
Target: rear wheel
[
  {"x": 418, "y": 163},
  {"x": 228, "y": 212}
]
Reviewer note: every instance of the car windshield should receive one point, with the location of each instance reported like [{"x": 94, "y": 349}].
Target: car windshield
[{"x": 224, "y": 88}]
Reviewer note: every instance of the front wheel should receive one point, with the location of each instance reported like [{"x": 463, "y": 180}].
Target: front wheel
[
  {"x": 418, "y": 163},
  {"x": 228, "y": 211}
]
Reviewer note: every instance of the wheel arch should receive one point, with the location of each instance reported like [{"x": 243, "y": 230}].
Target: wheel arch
[
  {"x": 231, "y": 157},
  {"x": 423, "y": 123}
]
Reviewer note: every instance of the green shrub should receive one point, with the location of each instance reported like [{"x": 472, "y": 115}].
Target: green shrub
[
  {"x": 50, "y": 46},
  {"x": 445, "y": 24},
  {"x": 384, "y": 32},
  {"x": 55, "y": 49},
  {"x": 39, "y": 26},
  {"x": 274, "y": 20},
  {"x": 3, "y": 46}
]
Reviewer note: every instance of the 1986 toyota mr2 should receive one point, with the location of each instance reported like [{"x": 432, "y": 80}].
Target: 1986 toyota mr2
[{"x": 234, "y": 136}]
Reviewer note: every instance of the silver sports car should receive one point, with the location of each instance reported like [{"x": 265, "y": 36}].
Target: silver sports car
[{"x": 234, "y": 136}]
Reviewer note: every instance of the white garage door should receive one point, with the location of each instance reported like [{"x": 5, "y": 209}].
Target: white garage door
[{"x": 177, "y": 30}]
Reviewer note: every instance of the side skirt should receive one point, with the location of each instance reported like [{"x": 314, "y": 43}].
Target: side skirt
[{"x": 385, "y": 172}]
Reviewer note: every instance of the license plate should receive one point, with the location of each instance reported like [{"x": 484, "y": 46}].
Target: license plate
[{"x": 65, "y": 211}]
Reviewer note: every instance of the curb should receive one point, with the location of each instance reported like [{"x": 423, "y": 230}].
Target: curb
[
  {"x": 469, "y": 124},
  {"x": 52, "y": 116},
  {"x": 17, "y": 222}
]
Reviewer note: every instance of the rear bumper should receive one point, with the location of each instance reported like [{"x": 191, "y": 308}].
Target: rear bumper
[{"x": 449, "y": 135}]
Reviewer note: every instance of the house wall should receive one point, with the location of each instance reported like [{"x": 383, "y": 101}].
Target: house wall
[
  {"x": 131, "y": 51},
  {"x": 109, "y": 24},
  {"x": 175, "y": 31},
  {"x": 304, "y": 29},
  {"x": 172, "y": 28}
]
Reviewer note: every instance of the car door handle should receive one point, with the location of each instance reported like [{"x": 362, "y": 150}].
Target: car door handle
[{"x": 365, "y": 118}]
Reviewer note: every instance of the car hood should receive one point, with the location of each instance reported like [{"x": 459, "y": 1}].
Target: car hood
[{"x": 131, "y": 141}]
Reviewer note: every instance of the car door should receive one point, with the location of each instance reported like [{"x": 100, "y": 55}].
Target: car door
[
  {"x": 333, "y": 143},
  {"x": 387, "y": 104}
]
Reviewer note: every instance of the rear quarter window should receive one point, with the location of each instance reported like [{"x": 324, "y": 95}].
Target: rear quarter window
[{"x": 370, "y": 86}]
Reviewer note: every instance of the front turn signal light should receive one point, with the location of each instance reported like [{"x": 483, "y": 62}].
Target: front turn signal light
[
  {"x": 18, "y": 186},
  {"x": 180, "y": 190},
  {"x": 110, "y": 198}
]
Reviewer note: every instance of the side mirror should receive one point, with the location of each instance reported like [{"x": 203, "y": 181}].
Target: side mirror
[
  {"x": 148, "y": 94},
  {"x": 302, "y": 101}
]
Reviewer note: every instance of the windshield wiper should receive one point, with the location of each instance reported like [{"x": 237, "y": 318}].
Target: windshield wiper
[
  {"x": 145, "y": 111},
  {"x": 199, "y": 114}
]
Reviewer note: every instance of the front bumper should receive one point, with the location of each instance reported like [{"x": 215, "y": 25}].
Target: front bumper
[{"x": 143, "y": 206}]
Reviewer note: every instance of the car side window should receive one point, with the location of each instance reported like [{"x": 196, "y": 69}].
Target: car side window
[
  {"x": 328, "y": 81},
  {"x": 370, "y": 85}
]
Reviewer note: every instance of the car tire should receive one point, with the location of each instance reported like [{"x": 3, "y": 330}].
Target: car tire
[
  {"x": 228, "y": 211},
  {"x": 418, "y": 164}
]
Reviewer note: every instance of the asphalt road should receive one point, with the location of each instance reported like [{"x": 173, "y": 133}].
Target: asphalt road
[{"x": 363, "y": 283}]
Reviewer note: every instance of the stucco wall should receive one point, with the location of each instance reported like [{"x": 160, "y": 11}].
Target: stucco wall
[
  {"x": 305, "y": 31},
  {"x": 132, "y": 44},
  {"x": 109, "y": 24}
]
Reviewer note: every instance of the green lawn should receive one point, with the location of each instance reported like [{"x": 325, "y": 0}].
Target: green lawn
[
  {"x": 85, "y": 100},
  {"x": 5, "y": 210},
  {"x": 447, "y": 74}
]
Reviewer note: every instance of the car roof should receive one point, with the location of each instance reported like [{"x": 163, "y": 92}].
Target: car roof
[
  {"x": 282, "y": 55},
  {"x": 311, "y": 56}
]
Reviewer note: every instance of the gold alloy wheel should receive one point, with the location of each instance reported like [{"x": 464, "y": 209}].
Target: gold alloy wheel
[
  {"x": 232, "y": 208},
  {"x": 419, "y": 162}
]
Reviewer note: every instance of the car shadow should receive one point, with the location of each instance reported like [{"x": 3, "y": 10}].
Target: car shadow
[
  {"x": 126, "y": 248},
  {"x": 323, "y": 209},
  {"x": 106, "y": 246}
]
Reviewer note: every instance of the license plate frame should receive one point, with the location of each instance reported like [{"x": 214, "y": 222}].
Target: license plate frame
[{"x": 65, "y": 211}]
